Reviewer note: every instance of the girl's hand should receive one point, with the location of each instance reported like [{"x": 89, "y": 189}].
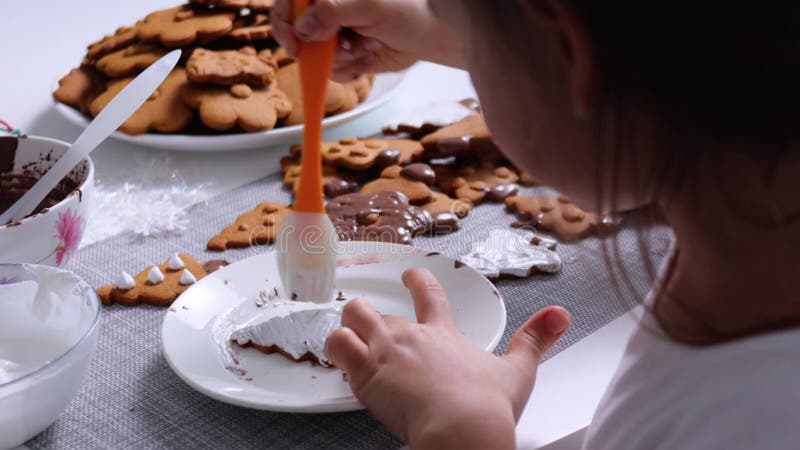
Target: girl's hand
[
  {"x": 427, "y": 383},
  {"x": 375, "y": 36}
]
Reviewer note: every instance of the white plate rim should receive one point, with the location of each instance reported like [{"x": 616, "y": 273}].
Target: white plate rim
[
  {"x": 243, "y": 141},
  {"x": 341, "y": 406}
]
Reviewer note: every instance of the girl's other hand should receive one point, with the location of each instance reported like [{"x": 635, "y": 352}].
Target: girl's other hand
[
  {"x": 427, "y": 382},
  {"x": 374, "y": 36}
]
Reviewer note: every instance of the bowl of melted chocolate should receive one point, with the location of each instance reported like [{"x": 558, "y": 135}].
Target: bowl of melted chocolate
[{"x": 51, "y": 234}]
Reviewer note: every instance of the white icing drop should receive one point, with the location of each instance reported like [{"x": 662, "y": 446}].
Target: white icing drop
[
  {"x": 125, "y": 281},
  {"x": 175, "y": 262},
  {"x": 440, "y": 113},
  {"x": 187, "y": 278},
  {"x": 296, "y": 333},
  {"x": 155, "y": 276},
  {"x": 506, "y": 252}
]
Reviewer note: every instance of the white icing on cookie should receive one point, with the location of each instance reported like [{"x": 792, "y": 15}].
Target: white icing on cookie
[
  {"x": 296, "y": 333},
  {"x": 155, "y": 276},
  {"x": 506, "y": 252},
  {"x": 125, "y": 281},
  {"x": 187, "y": 278},
  {"x": 175, "y": 262},
  {"x": 438, "y": 114}
]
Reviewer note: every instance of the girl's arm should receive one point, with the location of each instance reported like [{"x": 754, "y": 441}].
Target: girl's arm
[{"x": 427, "y": 383}]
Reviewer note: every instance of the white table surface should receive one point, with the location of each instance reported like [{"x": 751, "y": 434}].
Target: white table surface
[{"x": 40, "y": 43}]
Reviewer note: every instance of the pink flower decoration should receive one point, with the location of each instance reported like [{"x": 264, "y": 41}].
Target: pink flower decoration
[{"x": 69, "y": 231}]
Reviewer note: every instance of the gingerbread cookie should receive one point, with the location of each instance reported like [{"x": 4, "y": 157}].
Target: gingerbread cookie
[
  {"x": 229, "y": 67},
  {"x": 130, "y": 60},
  {"x": 335, "y": 182},
  {"x": 185, "y": 25},
  {"x": 252, "y": 109},
  {"x": 468, "y": 136},
  {"x": 252, "y": 27},
  {"x": 257, "y": 227},
  {"x": 506, "y": 254},
  {"x": 429, "y": 118},
  {"x": 363, "y": 154},
  {"x": 164, "y": 111},
  {"x": 477, "y": 184},
  {"x": 123, "y": 37},
  {"x": 558, "y": 215},
  {"x": 446, "y": 212},
  {"x": 355, "y": 92},
  {"x": 235, "y": 5},
  {"x": 157, "y": 285},
  {"x": 79, "y": 87},
  {"x": 288, "y": 79},
  {"x": 412, "y": 180},
  {"x": 384, "y": 216}
]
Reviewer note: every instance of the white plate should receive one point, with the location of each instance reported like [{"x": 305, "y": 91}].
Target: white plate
[
  {"x": 384, "y": 87},
  {"x": 195, "y": 330}
]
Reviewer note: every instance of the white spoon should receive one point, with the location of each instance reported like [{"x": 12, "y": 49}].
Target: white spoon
[{"x": 110, "y": 118}]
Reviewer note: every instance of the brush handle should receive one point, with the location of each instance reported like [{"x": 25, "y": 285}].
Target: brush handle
[{"x": 316, "y": 61}]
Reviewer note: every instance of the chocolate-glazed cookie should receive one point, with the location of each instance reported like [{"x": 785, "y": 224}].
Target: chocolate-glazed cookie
[{"x": 384, "y": 216}]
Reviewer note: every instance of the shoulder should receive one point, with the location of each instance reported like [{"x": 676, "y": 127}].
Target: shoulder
[{"x": 741, "y": 394}]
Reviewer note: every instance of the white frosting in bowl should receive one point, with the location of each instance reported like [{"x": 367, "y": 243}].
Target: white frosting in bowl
[{"x": 48, "y": 332}]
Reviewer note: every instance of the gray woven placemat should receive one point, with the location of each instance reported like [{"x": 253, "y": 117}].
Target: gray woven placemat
[{"x": 132, "y": 399}]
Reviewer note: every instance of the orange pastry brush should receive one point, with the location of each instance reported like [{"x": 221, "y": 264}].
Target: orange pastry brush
[{"x": 307, "y": 239}]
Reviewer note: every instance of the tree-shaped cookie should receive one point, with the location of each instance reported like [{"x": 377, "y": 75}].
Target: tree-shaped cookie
[
  {"x": 164, "y": 111},
  {"x": 559, "y": 216},
  {"x": 252, "y": 109},
  {"x": 157, "y": 285},
  {"x": 468, "y": 137},
  {"x": 185, "y": 25},
  {"x": 257, "y": 227}
]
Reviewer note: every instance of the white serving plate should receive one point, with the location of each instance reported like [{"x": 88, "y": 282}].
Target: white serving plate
[
  {"x": 383, "y": 89},
  {"x": 193, "y": 335}
]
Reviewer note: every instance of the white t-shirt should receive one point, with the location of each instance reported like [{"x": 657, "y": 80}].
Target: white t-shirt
[{"x": 743, "y": 394}]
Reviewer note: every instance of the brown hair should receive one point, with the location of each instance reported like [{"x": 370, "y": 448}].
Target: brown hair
[{"x": 720, "y": 72}]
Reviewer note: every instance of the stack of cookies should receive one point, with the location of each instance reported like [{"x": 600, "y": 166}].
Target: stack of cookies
[{"x": 232, "y": 76}]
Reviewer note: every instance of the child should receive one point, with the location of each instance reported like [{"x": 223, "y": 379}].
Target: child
[{"x": 692, "y": 107}]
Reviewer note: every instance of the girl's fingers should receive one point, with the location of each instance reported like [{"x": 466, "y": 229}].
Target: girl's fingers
[
  {"x": 361, "y": 317},
  {"x": 430, "y": 301},
  {"x": 346, "y": 350},
  {"x": 326, "y": 17},
  {"x": 531, "y": 341},
  {"x": 281, "y": 19}
]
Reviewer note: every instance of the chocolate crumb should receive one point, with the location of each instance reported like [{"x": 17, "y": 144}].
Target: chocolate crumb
[
  {"x": 345, "y": 377},
  {"x": 459, "y": 264},
  {"x": 248, "y": 379},
  {"x": 313, "y": 377},
  {"x": 214, "y": 265},
  {"x": 275, "y": 290},
  {"x": 294, "y": 296},
  {"x": 341, "y": 297},
  {"x": 185, "y": 308},
  {"x": 433, "y": 254},
  {"x": 173, "y": 309}
]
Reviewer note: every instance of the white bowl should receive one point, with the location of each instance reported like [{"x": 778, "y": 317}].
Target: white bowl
[
  {"x": 46, "y": 345},
  {"x": 52, "y": 236}
]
